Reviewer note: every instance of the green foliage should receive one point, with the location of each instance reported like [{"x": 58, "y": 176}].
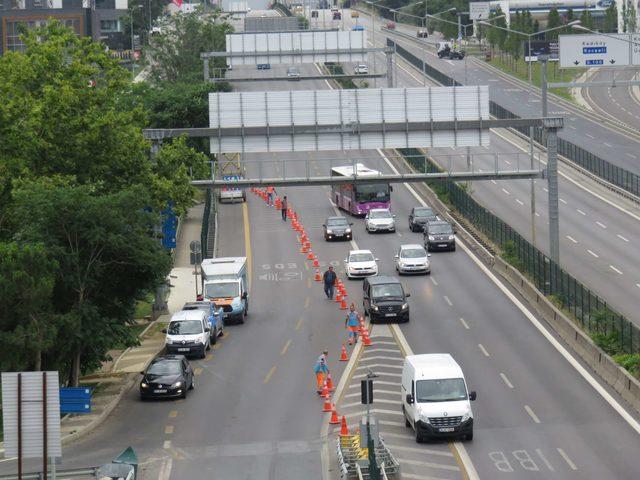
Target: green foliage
[
  {"x": 610, "y": 22},
  {"x": 609, "y": 342},
  {"x": 605, "y": 337},
  {"x": 303, "y": 22},
  {"x": 144, "y": 14},
  {"x": 628, "y": 17},
  {"x": 553, "y": 22},
  {"x": 510, "y": 254},
  {"x": 495, "y": 36},
  {"x": 630, "y": 362},
  {"x": 107, "y": 260},
  {"x": 586, "y": 20},
  {"x": 176, "y": 53}
]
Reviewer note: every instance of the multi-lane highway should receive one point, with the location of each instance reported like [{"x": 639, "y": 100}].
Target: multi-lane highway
[{"x": 621, "y": 103}]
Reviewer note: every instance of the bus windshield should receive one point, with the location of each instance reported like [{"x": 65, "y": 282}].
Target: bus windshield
[{"x": 372, "y": 193}]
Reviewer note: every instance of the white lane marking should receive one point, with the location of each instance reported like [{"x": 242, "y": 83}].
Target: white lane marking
[
  {"x": 379, "y": 411},
  {"x": 492, "y": 181},
  {"x": 506, "y": 380},
  {"x": 165, "y": 470},
  {"x": 572, "y": 239},
  {"x": 622, "y": 238},
  {"x": 615, "y": 269},
  {"x": 446, "y": 299},
  {"x": 506, "y": 191},
  {"x": 593, "y": 253},
  {"x": 571, "y": 127},
  {"x": 546, "y": 462},
  {"x": 505, "y": 161},
  {"x": 631, "y": 155},
  {"x": 604, "y": 143},
  {"x": 545, "y": 189},
  {"x": 563, "y": 201},
  {"x": 167, "y": 444},
  {"x": 589, "y": 135},
  {"x": 433, "y": 280},
  {"x": 562, "y": 453},
  {"x": 537, "y": 214},
  {"x": 417, "y": 463},
  {"x": 421, "y": 451},
  {"x": 483, "y": 350},
  {"x": 601, "y": 225},
  {"x": 464, "y": 323},
  {"x": 375, "y": 390},
  {"x": 532, "y": 414},
  {"x": 380, "y": 374},
  {"x": 380, "y": 365},
  {"x": 580, "y": 212},
  {"x": 519, "y": 201}
]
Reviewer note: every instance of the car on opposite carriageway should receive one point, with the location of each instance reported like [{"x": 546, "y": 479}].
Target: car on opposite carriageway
[{"x": 336, "y": 228}]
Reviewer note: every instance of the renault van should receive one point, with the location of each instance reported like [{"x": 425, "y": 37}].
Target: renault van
[
  {"x": 188, "y": 333},
  {"x": 435, "y": 398}
]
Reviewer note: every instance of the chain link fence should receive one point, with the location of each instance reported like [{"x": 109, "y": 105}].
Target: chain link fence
[
  {"x": 589, "y": 310},
  {"x": 613, "y": 174}
]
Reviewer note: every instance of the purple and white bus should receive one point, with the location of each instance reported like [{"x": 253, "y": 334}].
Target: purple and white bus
[{"x": 358, "y": 199}]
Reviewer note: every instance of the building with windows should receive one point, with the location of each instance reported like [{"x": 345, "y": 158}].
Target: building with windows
[{"x": 98, "y": 19}]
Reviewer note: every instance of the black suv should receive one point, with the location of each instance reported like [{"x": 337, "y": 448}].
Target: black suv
[
  {"x": 439, "y": 235},
  {"x": 337, "y": 227},
  {"x": 384, "y": 298},
  {"x": 419, "y": 216}
]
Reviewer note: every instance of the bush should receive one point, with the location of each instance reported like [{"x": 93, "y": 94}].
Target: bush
[
  {"x": 630, "y": 362},
  {"x": 510, "y": 255},
  {"x": 609, "y": 342}
]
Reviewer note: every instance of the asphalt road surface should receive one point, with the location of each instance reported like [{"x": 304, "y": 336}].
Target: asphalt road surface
[{"x": 621, "y": 103}]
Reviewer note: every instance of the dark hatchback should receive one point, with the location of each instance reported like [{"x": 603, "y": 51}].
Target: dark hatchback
[
  {"x": 419, "y": 216},
  {"x": 383, "y": 298},
  {"x": 439, "y": 235},
  {"x": 337, "y": 228},
  {"x": 167, "y": 376}
]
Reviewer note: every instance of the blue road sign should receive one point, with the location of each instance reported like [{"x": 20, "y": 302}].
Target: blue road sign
[
  {"x": 75, "y": 399},
  {"x": 593, "y": 50},
  {"x": 594, "y": 62},
  {"x": 169, "y": 227}
]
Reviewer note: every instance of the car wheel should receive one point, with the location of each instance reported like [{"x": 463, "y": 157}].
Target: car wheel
[
  {"x": 192, "y": 385},
  {"x": 419, "y": 437},
  {"x": 453, "y": 249},
  {"x": 184, "y": 393},
  {"x": 364, "y": 310},
  {"x": 407, "y": 423},
  {"x": 203, "y": 354},
  {"x": 213, "y": 339},
  {"x": 468, "y": 437}
]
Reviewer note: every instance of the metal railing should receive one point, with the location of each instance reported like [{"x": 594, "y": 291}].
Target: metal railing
[
  {"x": 207, "y": 231},
  {"x": 591, "y": 311},
  {"x": 601, "y": 168},
  {"x": 76, "y": 472}
]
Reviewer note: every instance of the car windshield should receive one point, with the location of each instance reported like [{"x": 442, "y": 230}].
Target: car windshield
[
  {"x": 440, "y": 230},
  {"x": 388, "y": 290},
  {"x": 164, "y": 367},
  {"x": 337, "y": 222},
  {"x": 185, "y": 327},
  {"x": 293, "y": 70},
  {"x": 379, "y": 214},
  {"x": 423, "y": 212},
  {"x": 361, "y": 257},
  {"x": 221, "y": 290},
  {"x": 441, "y": 390},
  {"x": 413, "y": 253},
  {"x": 372, "y": 193}
]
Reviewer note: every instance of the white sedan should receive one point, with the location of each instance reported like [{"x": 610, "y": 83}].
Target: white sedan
[
  {"x": 380, "y": 220},
  {"x": 413, "y": 259},
  {"x": 361, "y": 263},
  {"x": 361, "y": 69}
]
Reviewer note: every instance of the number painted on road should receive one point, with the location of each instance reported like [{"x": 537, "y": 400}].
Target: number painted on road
[
  {"x": 280, "y": 266},
  {"x": 519, "y": 460}
]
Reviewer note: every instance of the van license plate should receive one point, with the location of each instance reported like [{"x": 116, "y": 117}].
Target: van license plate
[
  {"x": 389, "y": 314},
  {"x": 445, "y": 430},
  {"x": 183, "y": 349},
  {"x": 160, "y": 391},
  {"x": 442, "y": 245}
]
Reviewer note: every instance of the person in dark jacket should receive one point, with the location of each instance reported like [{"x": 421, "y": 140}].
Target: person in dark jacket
[
  {"x": 329, "y": 279},
  {"x": 284, "y": 207}
]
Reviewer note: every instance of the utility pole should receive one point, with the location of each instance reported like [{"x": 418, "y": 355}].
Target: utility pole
[{"x": 552, "y": 179}]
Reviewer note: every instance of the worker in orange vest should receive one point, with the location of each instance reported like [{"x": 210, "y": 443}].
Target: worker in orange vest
[
  {"x": 321, "y": 369},
  {"x": 270, "y": 191}
]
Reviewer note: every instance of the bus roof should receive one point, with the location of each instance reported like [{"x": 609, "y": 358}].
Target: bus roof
[{"x": 361, "y": 171}]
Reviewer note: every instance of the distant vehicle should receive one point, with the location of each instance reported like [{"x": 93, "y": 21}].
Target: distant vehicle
[
  {"x": 188, "y": 333},
  {"x": 380, "y": 220},
  {"x": 293, "y": 73},
  {"x": 359, "y": 198},
  {"x": 439, "y": 235},
  {"x": 167, "y": 376},
  {"x": 337, "y": 15},
  {"x": 360, "y": 263},
  {"x": 355, "y": 14},
  {"x": 224, "y": 280},
  {"x": 314, "y": 14},
  {"x": 337, "y": 228},
  {"x": 215, "y": 315},
  {"x": 450, "y": 53},
  {"x": 419, "y": 216},
  {"x": 231, "y": 194},
  {"x": 390, "y": 26},
  {"x": 264, "y": 66},
  {"x": 383, "y": 298},
  {"x": 412, "y": 259},
  {"x": 357, "y": 28},
  {"x": 422, "y": 34},
  {"x": 435, "y": 397},
  {"x": 361, "y": 69}
]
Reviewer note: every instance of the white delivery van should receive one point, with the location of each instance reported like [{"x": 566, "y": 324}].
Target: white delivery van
[
  {"x": 224, "y": 281},
  {"x": 435, "y": 399},
  {"x": 188, "y": 333}
]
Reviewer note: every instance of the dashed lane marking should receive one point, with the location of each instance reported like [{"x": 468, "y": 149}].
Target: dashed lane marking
[
  {"x": 601, "y": 225},
  {"x": 544, "y": 459},
  {"x": 434, "y": 281},
  {"x": 566, "y": 458},
  {"x": 615, "y": 270},
  {"x": 593, "y": 253},
  {"x": 572, "y": 239},
  {"x": 506, "y": 380},
  {"x": 173, "y": 413},
  {"x": 381, "y": 357},
  {"x": 286, "y": 347},
  {"x": 464, "y": 323},
  {"x": 307, "y": 301},
  {"x": 446, "y": 299},
  {"x": 563, "y": 200},
  {"x": 622, "y": 238},
  {"x": 428, "y": 464},
  {"x": 580, "y": 212},
  {"x": 168, "y": 430},
  {"x": 269, "y": 375},
  {"x": 483, "y": 350},
  {"x": 531, "y": 413},
  {"x": 519, "y": 201},
  {"x": 506, "y": 191},
  {"x": 385, "y": 374},
  {"x": 298, "y": 324}
]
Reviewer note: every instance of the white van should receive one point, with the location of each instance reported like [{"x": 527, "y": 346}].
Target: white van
[
  {"x": 188, "y": 333},
  {"x": 435, "y": 398},
  {"x": 224, "y": 281}
]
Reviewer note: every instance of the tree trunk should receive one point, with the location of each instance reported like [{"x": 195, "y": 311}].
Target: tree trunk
[
  {"x": 74, "y": 376},
  {"x": 37, "y": 361}
]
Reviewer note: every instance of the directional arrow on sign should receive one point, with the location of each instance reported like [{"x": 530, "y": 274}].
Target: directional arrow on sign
[
  {"x": 576, "y": 62},
  {"x": 612, "y": 61}
]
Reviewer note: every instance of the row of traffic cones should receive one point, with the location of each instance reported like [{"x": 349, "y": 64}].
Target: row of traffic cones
[{"x": 341, "y": 295}]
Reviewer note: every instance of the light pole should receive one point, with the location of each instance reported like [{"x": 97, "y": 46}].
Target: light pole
[{"x": 543, "y": 86}]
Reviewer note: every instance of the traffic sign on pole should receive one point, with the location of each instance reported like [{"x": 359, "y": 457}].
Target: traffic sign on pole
[
  {"x": 591, "y": 50},
  {"x": 479, "y": 10}
]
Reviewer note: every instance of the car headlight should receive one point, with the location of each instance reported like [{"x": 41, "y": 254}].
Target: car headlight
[
  {"x": 203, "y": 340},
  {"x": 348, "y": 230},
  {"x": 432, "y": 238},
  {"x": 144, "y": 385},
  {"x": 329, "y": 232},
  {"x": 405, "y": 306},
  {"x": 176, "y": 385},
  {"x": 168, "y": 341},
  {"x": 375, "y": 307},
  {"x": 451, "y": 237},
  {"x": 466, "y": 417},
  {"x": 423, "y": 417}
]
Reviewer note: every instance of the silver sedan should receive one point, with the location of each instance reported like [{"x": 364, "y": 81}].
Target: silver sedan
[{"x": 413, "y": 259}]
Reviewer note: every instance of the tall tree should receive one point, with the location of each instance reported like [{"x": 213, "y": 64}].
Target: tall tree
[
  {"x": 107, "y": 260},
  {"x": 554, "y": 21},
  {"x": 586, "y": 20},
  {"x": 610, "y": 22}
]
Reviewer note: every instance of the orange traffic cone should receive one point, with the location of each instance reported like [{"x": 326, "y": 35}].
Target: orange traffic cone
[
  {"x": 338, "y": 297},
  {"x": 330, "y": 382},
  {"x": 307, "y": 244},
  {"x": 343, "y": 291},
  {"x": 304, "y": 249},
  {"x": 343, "y": 355},
  {"x": 334, "y": 416},
  {"x": 326, "y": 406},
  {"x": 325, "y": 391},
  {"x": 366, "y": 341},
  {"x": 311, "y": 256},
  {"x": 318, "y": 277},
  {"x": 278, "y": 203},
  {"x": 343, "y": 304},
  {"x": 315, "y": 262},
  {"x": 344, "y": 431}
]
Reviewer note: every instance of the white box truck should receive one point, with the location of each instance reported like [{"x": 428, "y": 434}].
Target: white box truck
[{"x": 224, "y": 281}]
